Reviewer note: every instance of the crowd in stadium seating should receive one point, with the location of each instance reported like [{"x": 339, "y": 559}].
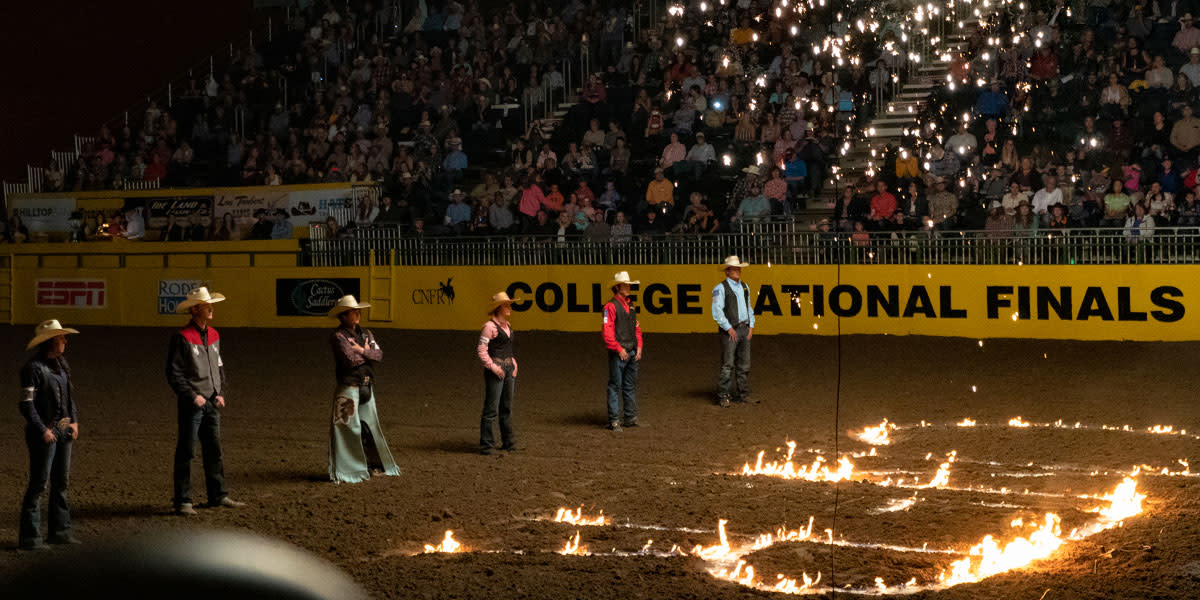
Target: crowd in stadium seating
[{"x": 709, "y": 120}]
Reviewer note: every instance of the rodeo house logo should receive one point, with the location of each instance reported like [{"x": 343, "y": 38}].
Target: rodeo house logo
[
  {"x": 443, "y": 294},
  {"x": 311, "y": 297}
]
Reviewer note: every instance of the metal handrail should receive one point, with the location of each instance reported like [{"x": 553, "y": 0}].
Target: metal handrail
[{"x": 1179, "y": 245}]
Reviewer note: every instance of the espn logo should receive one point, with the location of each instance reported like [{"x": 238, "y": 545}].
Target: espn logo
[{"x": 71, "y": 293}]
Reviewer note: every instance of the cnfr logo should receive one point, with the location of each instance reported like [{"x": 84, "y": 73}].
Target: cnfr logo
[{"x": 443, "y": 294}]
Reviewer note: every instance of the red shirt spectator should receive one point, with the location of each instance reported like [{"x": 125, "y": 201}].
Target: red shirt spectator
[
  {"x": 156, "y": 170},
  {"x": 1044, "y": 64},
  {"x": 883, "y": 204}
]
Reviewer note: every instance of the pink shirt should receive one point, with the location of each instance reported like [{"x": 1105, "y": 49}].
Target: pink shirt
[
  {"x": 490, "y": 331},
  {"x": 531, "y": 200},
  {"x": 672, "y": 154},
  {"x": 775, "y": 188}
]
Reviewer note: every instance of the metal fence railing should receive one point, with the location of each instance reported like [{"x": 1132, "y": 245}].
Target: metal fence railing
[{"x": 386, "y": 246}]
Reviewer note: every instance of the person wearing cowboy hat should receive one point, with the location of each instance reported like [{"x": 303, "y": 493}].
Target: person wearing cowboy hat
[
  {"x": 356, "y": 442},
  {"x": 623, "y": 337},
  {"x": 733, "y": 311},
  {"x": 495, "y": 350},
  {"x": 51, "y": 425},
  {"x": 196, "y": 374}
]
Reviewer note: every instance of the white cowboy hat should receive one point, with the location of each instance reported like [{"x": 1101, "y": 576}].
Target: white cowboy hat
[
  {"x": 753, "y": 170},
  {"x": 622, "y": 277},
  {"x": 199, "y": 295},
  {"x": 344, "y": 304},
  {"x": 499, "y": 300},
  {"x": 733, "y": 261},
  {"x": 46, "y": 330}
]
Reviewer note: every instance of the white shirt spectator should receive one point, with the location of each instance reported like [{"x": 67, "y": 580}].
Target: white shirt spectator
[
  {"x": 1160, "y": 78},
  {"x": 702, "y": 153},
  {"x": 1044, "y": 199},
  {"x": 962, "y": 143},
  {"x": 135, "y": 228},
  {"x": 211, "y": 88},
  {"x": 1192, "y": 71}
]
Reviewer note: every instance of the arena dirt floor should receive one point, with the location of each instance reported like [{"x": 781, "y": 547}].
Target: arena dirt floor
[{"x": 670, "y": 481}]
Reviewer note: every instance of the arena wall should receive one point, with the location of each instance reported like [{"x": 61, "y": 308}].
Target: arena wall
[{"x": 138, "y": 284}]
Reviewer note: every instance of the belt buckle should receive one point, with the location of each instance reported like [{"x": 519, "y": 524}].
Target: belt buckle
[{"x": 63, "y": 423}]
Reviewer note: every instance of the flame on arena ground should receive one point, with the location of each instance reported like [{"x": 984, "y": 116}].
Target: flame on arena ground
[
  {"x": 1027, "y": 541},
  {"x": 448, "y": 544}
]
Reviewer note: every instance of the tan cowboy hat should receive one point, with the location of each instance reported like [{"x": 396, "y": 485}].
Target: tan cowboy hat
[
  {"x": 622, "y": 277},
  {"x": 733, "y": 261},
  {"x": 46, "y": 330},
  {"x": 199, "y": 295},
  {"x": 498, "y": 300},
  {"x": 344, "y": 304},
  {"x": 753, "y": 170}
]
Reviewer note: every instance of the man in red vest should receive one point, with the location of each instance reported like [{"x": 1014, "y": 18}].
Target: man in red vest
[{"x": 623, "y": 338}]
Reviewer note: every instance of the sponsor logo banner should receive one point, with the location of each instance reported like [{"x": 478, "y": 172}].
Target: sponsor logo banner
[
  {"x": 44, "y": 215},
  {"x": 311, "y": 297},
  {"x": 173, "y": 291},
  {"x": 71, "y": 293},
  {"x": 186, "y": 210}
]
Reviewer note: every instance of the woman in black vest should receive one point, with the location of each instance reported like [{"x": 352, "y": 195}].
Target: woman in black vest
[
  {"x": 51, "y": 425},
  {"x": 495, "y": 351}
]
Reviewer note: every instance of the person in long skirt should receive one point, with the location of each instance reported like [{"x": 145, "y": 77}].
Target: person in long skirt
[
  {"x": 357, "y": 447},
  {"x": 495, "y": 351}
]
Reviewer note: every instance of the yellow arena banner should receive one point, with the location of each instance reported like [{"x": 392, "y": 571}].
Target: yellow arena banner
[{"x": 1141, "y": 303}]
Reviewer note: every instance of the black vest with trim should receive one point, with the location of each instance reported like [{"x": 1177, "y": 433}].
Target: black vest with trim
[
  {"x": 624, "y": 326},
  {"x": 731, "y": 309},
  {"x": 500, "y": 347}
]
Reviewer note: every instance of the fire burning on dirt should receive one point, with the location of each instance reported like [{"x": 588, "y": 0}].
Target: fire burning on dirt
[
  {"x": 572, "y": 546},
  {"x": 876, "y": 435},
  {"x": 448, "y": 545},
  {"x": 566, "y": 515},
  {"x": 788, "y": 469},
  {"x": 1029, "y": 539},
  {"x": 991, "y": 556}
]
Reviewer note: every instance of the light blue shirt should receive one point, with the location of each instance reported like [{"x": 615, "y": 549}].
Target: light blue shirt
[
  {"x": 718, "y": 304},
  {"x": 458, "y": 213}
]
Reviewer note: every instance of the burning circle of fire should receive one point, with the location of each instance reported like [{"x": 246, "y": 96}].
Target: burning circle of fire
[{"x": 992, "y": 555}]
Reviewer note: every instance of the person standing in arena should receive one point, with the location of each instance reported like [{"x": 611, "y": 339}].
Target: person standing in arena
[
  {"x": 734, "y": 313},
  {"x": 356, "y": 442},
  {"x": 495, "y": 351},
  {"x": 196, "y": 374},
  {"x": 51, "y": 426},
  {"x": 623, "y": 338}
]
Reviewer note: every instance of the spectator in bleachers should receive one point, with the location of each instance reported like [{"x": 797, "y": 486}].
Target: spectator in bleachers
[
  {"x": 660, "y": 190},
  {"x": 1116, "y": 205},
  {"x": 943, "y": 204},
  {"x": 883, "y": 204},
  {"x": 754, "y": 207},
  {"x": 1049, "y": 195},
  {"x": 135, "y": 225}
]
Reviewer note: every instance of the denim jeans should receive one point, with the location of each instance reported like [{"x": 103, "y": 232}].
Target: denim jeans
[
  {"x": 497, "y": 397},
  {"x": 622, "y": 382},
  {"x": 735, "y": 364},
  {"x": 201, "y": 424},
  {"x": 47, "y": 463}
]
